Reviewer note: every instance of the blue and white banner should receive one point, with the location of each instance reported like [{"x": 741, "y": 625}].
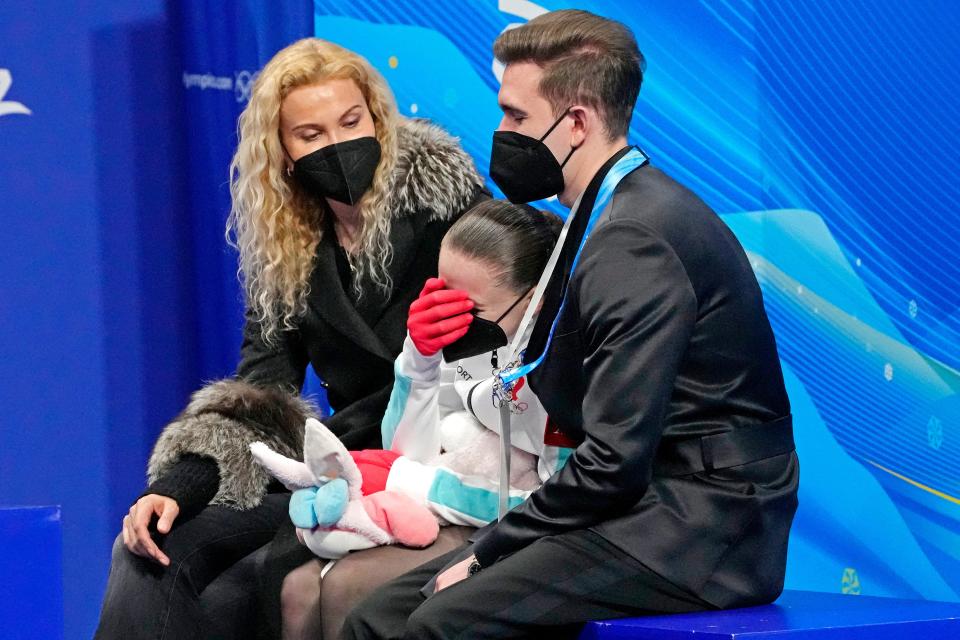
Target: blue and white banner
[{"x": 223, "y": 46}]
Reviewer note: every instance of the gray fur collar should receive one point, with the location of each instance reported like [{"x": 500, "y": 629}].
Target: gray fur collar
[
  {"x": 220, "y": 422},
  {"x": 433, "y": 172},
  {"x": 270, "y": 410}
]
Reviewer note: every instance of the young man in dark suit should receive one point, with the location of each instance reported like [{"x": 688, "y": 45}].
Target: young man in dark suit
[{"x": 660, "y": 369}]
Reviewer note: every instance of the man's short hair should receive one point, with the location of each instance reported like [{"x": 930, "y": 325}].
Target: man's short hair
[{"x": 586, "y": 58}]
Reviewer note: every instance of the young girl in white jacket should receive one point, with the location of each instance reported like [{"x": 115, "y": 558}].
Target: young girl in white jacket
[
  {"x": 440, "y": 464},
  {"x": 443, "y": 418}
]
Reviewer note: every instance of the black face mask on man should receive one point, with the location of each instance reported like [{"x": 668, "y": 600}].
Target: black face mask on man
[
  {"x": 524, "y": 168},
  {"x": 481, "y": 336},
  {"x": 342, "y": 171}
]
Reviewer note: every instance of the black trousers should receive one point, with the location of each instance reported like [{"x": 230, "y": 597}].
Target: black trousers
[
  {"x": 548, "y": 589},
  {"x": 147, "y": 600}
]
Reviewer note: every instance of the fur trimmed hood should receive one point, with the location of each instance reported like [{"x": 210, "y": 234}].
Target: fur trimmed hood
[
  {"x": 433, "y": 172},
  {"x": 221, "y": 421}
]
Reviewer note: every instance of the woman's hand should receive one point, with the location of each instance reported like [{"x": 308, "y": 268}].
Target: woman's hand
[
  {"x": 438, "y": 317},
  {"x": 136, "y": 533}
]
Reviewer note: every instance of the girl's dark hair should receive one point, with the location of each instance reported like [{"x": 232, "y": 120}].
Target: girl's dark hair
[{"x": 516, "y": 240}]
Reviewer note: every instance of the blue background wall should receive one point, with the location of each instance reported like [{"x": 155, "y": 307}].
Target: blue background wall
[
  {"x": 824, "y": 134},
  {"x": 118, "y": 294},
  {"x": 95, "y": 296}
]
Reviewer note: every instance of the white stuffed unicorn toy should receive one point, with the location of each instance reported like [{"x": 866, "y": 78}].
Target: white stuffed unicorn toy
[{"x": 331, "y": 514}]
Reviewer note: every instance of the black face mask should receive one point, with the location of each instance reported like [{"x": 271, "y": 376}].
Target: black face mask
[
  {"x": 524, "y": 168},
  {"x": 342, "y": 171},
  {"x": 482, "y": 336}
]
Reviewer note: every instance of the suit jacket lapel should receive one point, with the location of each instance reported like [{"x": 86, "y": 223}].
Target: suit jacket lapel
[
  {"x": 560, "y": 279},
  {"x": 333, "y": 305}
]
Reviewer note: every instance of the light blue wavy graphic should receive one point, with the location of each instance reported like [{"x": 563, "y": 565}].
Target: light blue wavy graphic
[
  {"x": 861, "y": 125},
  {"x": 786, "y": 109},
  {"x": 853, "y": 382},
  {"x": 839, "y": 496}
]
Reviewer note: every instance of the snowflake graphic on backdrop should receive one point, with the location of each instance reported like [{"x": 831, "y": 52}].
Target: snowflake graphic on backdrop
[
  {"x": 8, "y": 107},
  {"x": 850, "y": 583}
]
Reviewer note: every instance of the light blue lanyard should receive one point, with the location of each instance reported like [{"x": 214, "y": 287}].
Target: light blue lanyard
[{"x": 633, "y": 159}]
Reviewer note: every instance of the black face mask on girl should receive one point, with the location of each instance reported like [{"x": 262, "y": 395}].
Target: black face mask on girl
[
  {"x": 524, "y": 168},
  {"x": 342, "y": 171},
  {"x": 482, "y": 336}
]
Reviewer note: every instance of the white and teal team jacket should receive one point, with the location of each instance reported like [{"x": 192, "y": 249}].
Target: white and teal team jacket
[{"x": 444, "y": 421}]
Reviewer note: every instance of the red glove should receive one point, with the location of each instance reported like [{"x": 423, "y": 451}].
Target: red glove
[{"x": 438, "y": 317}]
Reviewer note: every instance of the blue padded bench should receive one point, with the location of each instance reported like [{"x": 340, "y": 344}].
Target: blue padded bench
[
  {"x": 796, "y": 615},
  {"x": 31, "y": 573}
]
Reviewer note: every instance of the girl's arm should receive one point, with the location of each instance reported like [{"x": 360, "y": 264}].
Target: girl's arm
[
  {"x": 460, "y": 499},
  {"x": 411, "y": 425}
]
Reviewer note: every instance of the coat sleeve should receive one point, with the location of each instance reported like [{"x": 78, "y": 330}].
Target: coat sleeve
[
  {"x": 283, "y": 363},
  {"x": 411, "y": 424},
  {"x": 467, "y": 499},
  {"x": 220, "y": 422},
  {"x": 192, "y": 481},
  {"x": 634, "y": 336}
]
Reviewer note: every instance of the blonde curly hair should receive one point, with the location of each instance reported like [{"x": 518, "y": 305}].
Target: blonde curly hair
[{"x": 273, "y": 223}]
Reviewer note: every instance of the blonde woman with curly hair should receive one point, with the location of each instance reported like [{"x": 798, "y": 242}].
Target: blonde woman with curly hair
[{"x": 339, "y": 207}]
